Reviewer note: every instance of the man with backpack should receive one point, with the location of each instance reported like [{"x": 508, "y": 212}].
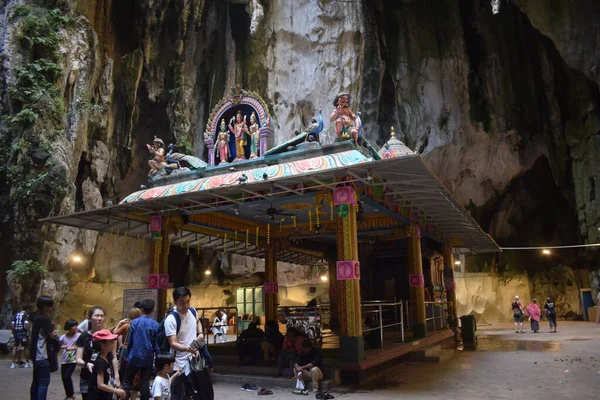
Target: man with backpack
[
  {"x": 550, "y": 308},
  {"x": 181, "y": 328},
  {"x": 517, "y": 309},
  {"x": 20, "y": 330}
]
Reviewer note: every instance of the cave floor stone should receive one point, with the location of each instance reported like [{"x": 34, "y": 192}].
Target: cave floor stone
[{"x": 533, "y": 366}]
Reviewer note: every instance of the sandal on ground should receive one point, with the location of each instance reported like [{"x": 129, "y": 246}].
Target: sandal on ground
[
  {"x": 328, "y": 396},
  {"x": 319, "y": 395},
  {"x": 265, "y": 392},
  {"x": 300, "y": 392}
]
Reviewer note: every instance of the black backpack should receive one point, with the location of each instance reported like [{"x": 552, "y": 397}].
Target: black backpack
[{"x": 161, "y": 336}]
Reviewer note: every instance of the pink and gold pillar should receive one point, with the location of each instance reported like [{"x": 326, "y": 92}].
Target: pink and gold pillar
[
  {"x": 348, "y": 276},
  {"x": 450, "y": 284},
  {"x": 271, "y": 286},
  {"x": 417, "y": 282}
]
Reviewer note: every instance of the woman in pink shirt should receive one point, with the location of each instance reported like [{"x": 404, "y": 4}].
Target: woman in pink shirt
[{"x": 534, "y": 313}]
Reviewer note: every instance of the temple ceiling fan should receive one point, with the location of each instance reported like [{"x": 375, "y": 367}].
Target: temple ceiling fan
[{"x": 272, "y": 212}]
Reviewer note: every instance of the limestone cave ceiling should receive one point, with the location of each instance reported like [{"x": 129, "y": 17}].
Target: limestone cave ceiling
[{"x": 504, "y": 107}]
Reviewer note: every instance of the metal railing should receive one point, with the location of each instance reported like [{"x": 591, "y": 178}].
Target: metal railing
[
  {"x": 386, "y": 315},
  {"x": 307, "y": 319},
  {"x": 202, "y": 314},
  {"x": 437, "y": 313}
]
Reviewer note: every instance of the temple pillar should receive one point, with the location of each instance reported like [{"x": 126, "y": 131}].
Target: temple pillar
[
  {"x": 210, "y": 145},
  {"x": 334, "y": 310},
  {"x": 417, "y": 282},
  {"x": 348, "y": 275},
  {"x": 450, "y": 285},
  {"x": 271, "y": 288},
  {"x": 159, "y": 264},
  {"x": 263, "y": 139}
]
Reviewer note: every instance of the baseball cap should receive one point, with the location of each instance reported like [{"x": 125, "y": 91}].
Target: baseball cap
[
  {"x": 103, "y": 335},
  {"x": 516, "y": 297}
]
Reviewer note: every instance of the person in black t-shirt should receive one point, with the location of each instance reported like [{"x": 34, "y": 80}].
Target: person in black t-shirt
[
  {"x": 309, "y": 365},
  {"x": 44, "y": 346},
  {"x": 550, "y": 308},
  {"x": 99, "y": 388},
  {"x": 86, "y": 355}
]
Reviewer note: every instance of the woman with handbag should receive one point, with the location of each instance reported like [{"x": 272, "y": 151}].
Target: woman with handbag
[{"x": 44, "y": 348}]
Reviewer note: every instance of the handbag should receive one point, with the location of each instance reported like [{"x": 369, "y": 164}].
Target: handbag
[{"x": 197, "y": 363}]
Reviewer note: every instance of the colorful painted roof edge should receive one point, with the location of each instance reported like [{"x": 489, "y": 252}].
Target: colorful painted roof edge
[{"x": 283, "y": 170}]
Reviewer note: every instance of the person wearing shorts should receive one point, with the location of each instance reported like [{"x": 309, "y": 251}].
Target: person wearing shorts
[
  {"x": 517, "y": 309},
  {"x": 20, "y": 330}
]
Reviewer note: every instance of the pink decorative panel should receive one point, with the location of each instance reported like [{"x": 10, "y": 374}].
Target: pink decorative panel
[
  {"x": 349, "y": 269},
  {"x": 416, "y": 280},
  {"x": 344, "y": 195}
]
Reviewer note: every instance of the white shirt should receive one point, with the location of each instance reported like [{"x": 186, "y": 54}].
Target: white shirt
[
  {"x": 185, "y": 337},
  {"x": 161, "y": 388},
  {"x": 83, "y": 326},
  {"x": 41, "y": 347},
  {"x": 220, "y": 325}
]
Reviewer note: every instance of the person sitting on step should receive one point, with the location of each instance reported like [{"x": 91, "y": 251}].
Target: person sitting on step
[
  {"x": 309, "y": 365},
  {"x": 292, "y": 346},
  {"x": 271, "y": 346},
  {"x": 248, "y": 345}
]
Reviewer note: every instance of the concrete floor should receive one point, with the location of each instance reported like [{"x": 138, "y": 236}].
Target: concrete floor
[{"x": 506, "y": 366}]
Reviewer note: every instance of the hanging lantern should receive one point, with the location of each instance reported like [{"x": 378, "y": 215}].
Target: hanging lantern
[
  {"x": 268, "y": 233},
  {"x": 234, "y": 237},
  {"x": 294, "y": 217},
  {"x": 317, "y": 217},
  {"x": 331, "y": 208},
  {"x": 310, "y": 220}
]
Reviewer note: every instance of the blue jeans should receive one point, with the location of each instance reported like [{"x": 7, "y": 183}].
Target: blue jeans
[{"x": 41, "y": 380}]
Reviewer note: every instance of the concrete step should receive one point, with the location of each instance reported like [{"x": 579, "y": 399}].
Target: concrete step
[
  {"x": 438, "y": 356},
  {"x": 270, "y": 381},
  {"x": 425, "y": 353}
]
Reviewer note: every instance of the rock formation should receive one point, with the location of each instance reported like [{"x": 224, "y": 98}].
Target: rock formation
[{"x": 504, "y": 106}]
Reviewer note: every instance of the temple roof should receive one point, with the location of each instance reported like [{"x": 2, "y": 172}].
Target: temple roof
[
  {"x": 394, "y": 148},
  {"x": 404, "y": 188}
]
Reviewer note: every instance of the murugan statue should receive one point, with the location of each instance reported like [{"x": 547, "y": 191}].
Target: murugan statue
[
  {"x": 159, "y": 161},
  {"x": 222, "y": 148},
  {"x": 345, "y": 120},
  {"x": 164, "y": 163},
  {"x": 254, "y": 136},
  {"x": 240, "y": 130}
]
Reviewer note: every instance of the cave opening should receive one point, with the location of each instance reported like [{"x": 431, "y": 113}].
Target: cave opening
[{"x": 84, "y": 170}]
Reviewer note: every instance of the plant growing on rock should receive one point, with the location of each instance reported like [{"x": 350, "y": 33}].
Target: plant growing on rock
[{"x": 25, "y": 277}]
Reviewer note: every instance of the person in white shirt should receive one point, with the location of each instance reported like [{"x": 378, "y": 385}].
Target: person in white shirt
[
  {"x": 182, "y": 327},
  {"x": 161, "y": 388},
  {"x": 220, "y": 327}
]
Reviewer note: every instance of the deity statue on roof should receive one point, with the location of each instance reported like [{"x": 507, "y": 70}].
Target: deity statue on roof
[
  {"x": 159, "y": 161},
  {"x": 165, "y": 163},
  {"x": 222, "y": 148},
  {"x": 254, "y": 136},
  {"x": 346, "y": 125},
  {"x": 240, "y": 130}
]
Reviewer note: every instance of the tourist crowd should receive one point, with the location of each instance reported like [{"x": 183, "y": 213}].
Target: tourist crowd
[
  {"x": 534, "y": 313},
  {"x": 141, "y": 357}
]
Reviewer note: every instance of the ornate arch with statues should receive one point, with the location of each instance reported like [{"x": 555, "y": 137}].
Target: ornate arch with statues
[{"x": 238, "y": 128}]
